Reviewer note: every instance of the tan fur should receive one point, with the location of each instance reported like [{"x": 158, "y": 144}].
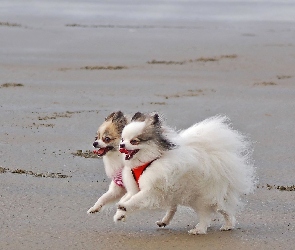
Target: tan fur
[
  {"x": 109, "y": 129},
  {"x": 113, "y": 162}
]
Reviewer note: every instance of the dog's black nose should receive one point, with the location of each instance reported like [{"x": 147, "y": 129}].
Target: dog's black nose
[
  {"x": 122, "y": 145},
  {"x": 95, "y": 144}
]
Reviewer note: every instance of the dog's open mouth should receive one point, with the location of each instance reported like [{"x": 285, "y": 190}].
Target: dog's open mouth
[
  {"x": 102, "y": 151},
  {"x": 128, "y": 153}
]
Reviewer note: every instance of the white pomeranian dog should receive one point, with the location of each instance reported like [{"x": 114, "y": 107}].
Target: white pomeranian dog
[
  {"x": 106, "y": 145},
  {"x": 206, "y": 167}
]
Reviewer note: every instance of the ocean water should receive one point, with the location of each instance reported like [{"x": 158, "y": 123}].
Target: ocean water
[{"x": 147, "y": 12}]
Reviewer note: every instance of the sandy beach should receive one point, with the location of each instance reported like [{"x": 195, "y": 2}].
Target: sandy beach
[{"x": 65, "y": 65}]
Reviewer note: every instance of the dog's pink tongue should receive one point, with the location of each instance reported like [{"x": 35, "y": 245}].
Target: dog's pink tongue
[{"x": 98, "y": 151}]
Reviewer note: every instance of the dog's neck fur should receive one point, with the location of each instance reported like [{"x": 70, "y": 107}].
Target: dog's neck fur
[{"x": 113, "y": 163}]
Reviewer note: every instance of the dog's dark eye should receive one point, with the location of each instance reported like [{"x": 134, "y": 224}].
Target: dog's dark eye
[
  {"x": 122, "y": 140},
  {"x": 107, "y": 139},
  {"x": 134, "y": 142},
  {"x": 95, "y": 138}
]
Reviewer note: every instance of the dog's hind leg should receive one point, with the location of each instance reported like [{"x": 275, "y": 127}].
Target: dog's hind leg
[
  {"x": 168, "y": 217},
  {"x": 229, "y": 220},
  {"x": 204, "y": 214}
]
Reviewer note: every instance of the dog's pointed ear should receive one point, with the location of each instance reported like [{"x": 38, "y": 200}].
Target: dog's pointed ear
[
  {"x": 138, "y": 116},
  {"x": 109, "y": 117},
  {"x": 119, "y": 120},
  {"x": 117, "y": 116},
  {"x": 156, "y": 119}
]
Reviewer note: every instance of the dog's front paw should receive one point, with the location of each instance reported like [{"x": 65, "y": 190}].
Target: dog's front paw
[
  {"x": 120, "y": 214},
  {"x": 94, "y": 209},
  {"x": 161, "y": 224}
]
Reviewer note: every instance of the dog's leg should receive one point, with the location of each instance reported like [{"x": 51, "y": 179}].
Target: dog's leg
[
  {"x": 229, "y": 220},
  {"x": 115, "y": 192},
  {"x": 136, "y": 202},
  {"x": 126, "y": 197},
  {"x": 205, "y": 218},
  {"x": 168, "y": 217}
]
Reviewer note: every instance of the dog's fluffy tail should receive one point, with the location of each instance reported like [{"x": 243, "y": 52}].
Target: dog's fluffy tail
[{"x": 225, "y": 157}]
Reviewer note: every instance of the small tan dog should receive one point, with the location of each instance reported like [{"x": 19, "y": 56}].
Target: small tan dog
[{"x": 106, "y": 146}]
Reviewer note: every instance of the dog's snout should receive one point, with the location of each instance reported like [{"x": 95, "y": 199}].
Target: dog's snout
[
  {"x": 122, "y": 145},
  {"x": 95, "y": 144}
]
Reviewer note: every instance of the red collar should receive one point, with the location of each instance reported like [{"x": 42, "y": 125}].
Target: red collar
[{"x": 137, "y": 172}]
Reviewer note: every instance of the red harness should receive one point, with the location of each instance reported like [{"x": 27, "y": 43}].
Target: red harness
[{"x": 137, "y": 172}]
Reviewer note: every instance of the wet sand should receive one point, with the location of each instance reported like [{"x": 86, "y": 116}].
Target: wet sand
[{"x": 61, "y": 75}]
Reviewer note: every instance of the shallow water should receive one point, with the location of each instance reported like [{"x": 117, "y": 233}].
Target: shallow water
[{"x": 151, "y": 11}]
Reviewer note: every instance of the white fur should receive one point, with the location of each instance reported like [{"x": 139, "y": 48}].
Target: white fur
[
  {"x": 208, "y": 171},
  {"x": 113, "y": 163}
]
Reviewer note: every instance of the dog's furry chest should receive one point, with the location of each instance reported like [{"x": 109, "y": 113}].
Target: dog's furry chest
[{"x": 113, "y": 164}]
